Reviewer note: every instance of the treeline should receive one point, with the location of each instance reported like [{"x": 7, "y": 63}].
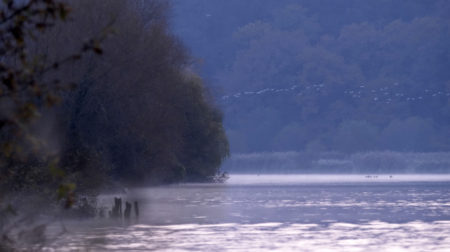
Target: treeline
[
  {"x": 368, "y": 75},
  {"x": 136, "y": 114},
  {"x": 384, "y": 162}
]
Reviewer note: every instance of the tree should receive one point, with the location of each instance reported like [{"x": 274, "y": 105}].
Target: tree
[
  {"x": 133, "y": 107},
  {"x": 29, "y": 82}
]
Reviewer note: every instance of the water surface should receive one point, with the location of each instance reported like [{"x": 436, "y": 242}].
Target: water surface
[{"x": 280, "y": 212}]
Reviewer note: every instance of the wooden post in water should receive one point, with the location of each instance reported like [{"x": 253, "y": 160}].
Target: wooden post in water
[
  {"x": 136, "y": 209},
  {"x": 120, "y": 207},
  {"x": 116, "y": 211},
  {"x": 127, "y": 212}
]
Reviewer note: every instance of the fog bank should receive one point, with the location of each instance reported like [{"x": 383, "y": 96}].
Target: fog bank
[{"x": 335, "y": 162}]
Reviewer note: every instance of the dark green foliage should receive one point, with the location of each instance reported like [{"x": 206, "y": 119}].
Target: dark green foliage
[
  {"x": 139, "y": 110},
  {"x": 142, "y": 107},
  {"x": 136, "y": 115},
  {"x": 205, "y": 144},
  {"x": 24, "y": 91},
  {"x": 30, "y": 87}
]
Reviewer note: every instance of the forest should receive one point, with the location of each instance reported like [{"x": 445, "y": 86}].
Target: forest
[
  {"x": 324, "y": 75},
  {"x": 98, "y": 95}
]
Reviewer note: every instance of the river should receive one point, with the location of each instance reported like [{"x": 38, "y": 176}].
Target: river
[{"x": 277, "y": 213}]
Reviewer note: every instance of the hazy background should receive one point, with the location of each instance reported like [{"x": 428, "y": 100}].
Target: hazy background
[
  {"x": 304, "y": 81},
  {"x": 325, "y": 75}
]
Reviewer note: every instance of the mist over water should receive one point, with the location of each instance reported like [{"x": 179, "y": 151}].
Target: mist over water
[
  {"x": 350, "y": 179},
  {"x": 280, "y": 212},
  {"x": 373, "y": 162}
]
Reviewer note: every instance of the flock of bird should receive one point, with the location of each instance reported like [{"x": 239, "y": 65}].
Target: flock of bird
[{"x": 387, "y": 94}]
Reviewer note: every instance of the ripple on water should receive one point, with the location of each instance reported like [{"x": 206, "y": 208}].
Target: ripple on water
[
  {"x": 372, "y": 236},
  {"x": 297, "y": 214}
]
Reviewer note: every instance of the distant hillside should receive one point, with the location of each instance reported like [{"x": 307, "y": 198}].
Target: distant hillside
[{"x": 325, "y": 75}]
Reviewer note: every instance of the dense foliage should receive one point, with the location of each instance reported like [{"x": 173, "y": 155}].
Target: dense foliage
[
  {"x": 137, "y": 114},
  {"x": 326, "y": 75}
]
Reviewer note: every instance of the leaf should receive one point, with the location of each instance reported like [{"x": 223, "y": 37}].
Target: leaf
[
  {"x": 51, "y": 100},
  {"x": 41, "y": 26},
  {"x": 7, "y": 149},
  {"x": 55, "y": 170},
  {"x": 76, "y": 57},
  {"x": 9, "y": 81},
  {"x": 98, "y": 50},
  {"x": 28, "y": 111},
  {"x": 17, "y": 32},
  {"x": 63, "y": 11},
  {"x": 66, "y": 191},
  {"x": 62, "y": 191}
]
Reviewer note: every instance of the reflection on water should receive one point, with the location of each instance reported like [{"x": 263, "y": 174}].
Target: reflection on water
[
  {"x": 288, "y": 213},
  {"x": 371, "y": 236}
]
